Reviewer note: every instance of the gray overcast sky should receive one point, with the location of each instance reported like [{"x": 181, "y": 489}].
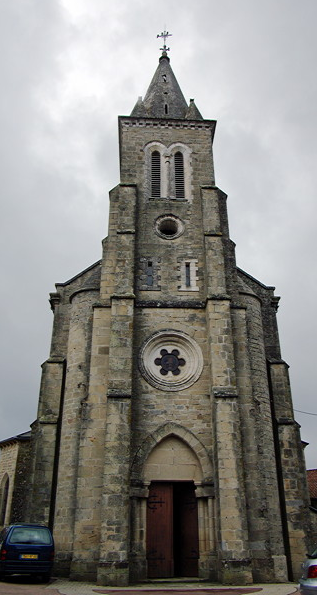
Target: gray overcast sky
[{"x": 68, "y": 69}]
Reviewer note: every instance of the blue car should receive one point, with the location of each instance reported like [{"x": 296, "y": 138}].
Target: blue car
[{"x": 26, "y": 549}]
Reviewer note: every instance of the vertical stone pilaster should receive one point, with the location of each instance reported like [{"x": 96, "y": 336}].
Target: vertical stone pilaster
[
  {"x": 113, "y": 568},
  {"x": 215, "y": 272},
  {"x": 76, "y": 389},
  {"x": 292, "y": 466},
  {"x": 281, "y": 390},
  {"x": 221, "y": 345},
  {"x": 91, "y": 454},
  {"x": 215, "y": 282},
  {"x": 44, "y": 434},
  {"x": 259, "y": 527},
  {"x": 234, "y": 551},
  {"x": 117, "y": 276},
  {"x": 211, "y": 215},
  {"x": 114, "y": 548},
  {"x": 207, "y": 567},
  {"x": 138, "y": 565},
  {"x": 264, "y": 429}
]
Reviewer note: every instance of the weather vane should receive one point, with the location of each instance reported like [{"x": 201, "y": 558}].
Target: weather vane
[{"x": 164, "y": 35}]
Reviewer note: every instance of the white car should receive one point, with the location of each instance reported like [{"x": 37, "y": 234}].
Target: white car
[{"x": 308, "y": 580}]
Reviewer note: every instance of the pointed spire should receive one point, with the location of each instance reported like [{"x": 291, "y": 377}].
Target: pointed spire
[
  {"x": 193, "y": 112},
  {"x": 164, "y": 98},
  {"x": 139, "y": 110}
]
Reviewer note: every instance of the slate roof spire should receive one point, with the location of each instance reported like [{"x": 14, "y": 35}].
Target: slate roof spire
[{"x": 164, "y": 98}]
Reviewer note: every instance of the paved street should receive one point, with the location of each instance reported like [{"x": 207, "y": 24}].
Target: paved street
[{"x": 26, "y": 586}]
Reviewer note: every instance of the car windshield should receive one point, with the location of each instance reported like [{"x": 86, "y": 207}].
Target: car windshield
[
  {"x": 313, "y": 554},
  {"x": 34, "y": 535}
]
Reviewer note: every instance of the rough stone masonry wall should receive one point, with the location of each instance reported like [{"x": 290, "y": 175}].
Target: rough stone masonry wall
[
  {"x": 113, "y": 567},
  {"x": 135, "y": 134},
  {"x": 88, "y": 514},
  {"x": 43, "y": 441},
  {"x": 21, "y": 483},
  {"x": 189, "y": 245},
  {"x": 152, "y": 408},
  {"x": 270, "y": 509},
  {"x": 8, "y": 462},
  {"x": 258, "y": 527},
  {"x": 45, "y": 430},
  {"x": 292, "y": 464},
  {"x": 77, "y": 382}
]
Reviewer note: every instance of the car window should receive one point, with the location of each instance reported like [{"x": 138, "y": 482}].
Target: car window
[
  {"x": 33, "y": 535},
  {"x": 313, "y": 554}
]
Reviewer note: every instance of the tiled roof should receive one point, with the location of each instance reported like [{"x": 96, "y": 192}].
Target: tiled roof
[
  {"x": 312, "y": 482},
  {"x": 19, "y": 438}
]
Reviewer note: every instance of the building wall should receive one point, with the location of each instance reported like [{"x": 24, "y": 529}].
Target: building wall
[
  {"x": 14, "y": 475},
  {"x": 8, "y": 462}
]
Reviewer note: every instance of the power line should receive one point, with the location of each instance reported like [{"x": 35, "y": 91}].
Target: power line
[{"x": 306, "y": 412}]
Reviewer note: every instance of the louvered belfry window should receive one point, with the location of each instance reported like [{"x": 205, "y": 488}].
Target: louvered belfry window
[
  {"x": 155, "y": 174},
  {"x": 179, "y": 175}
]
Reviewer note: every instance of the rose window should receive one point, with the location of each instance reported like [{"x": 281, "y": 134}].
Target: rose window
[{"x": 169, "y": 362}]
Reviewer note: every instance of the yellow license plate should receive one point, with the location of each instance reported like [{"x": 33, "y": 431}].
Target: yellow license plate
[{"x": 29, "y": 556}]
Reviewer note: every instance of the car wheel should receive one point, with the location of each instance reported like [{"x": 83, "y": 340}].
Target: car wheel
[{"x": 45, "y": 577}]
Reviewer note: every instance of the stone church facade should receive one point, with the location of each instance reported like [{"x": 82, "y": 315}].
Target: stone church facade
[{"x": 165, "y": 443}]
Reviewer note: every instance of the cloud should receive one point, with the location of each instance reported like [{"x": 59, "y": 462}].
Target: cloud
[{"x": 68, "y": 68}]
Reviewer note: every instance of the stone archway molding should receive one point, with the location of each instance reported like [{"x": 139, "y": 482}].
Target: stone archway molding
[{"x": 170, "y": 429}]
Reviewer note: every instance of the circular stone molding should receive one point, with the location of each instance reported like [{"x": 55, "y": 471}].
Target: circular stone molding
[
  {"x": 169, "y": 227},
  {"x": 170, "y": 360}
]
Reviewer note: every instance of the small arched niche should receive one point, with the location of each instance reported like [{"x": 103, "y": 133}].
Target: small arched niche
[
  {"x": 4, "y": 495},
  {"x": 172, "y": 460}
]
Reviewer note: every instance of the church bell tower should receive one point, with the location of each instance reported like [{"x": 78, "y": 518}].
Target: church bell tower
[{"x": 165, "y": 441}]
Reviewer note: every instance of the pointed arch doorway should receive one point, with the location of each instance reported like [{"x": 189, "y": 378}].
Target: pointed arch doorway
[
  {"x": 172, "y": 530},
  {"x": 172, "y": 471}
]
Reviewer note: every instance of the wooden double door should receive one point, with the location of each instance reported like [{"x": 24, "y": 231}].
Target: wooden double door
[{"x": 172, "y": 530}]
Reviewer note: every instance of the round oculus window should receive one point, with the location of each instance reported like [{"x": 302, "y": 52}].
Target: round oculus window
[
  {"x": 170, "y": 360},
  {"x": 169, "y": 227}
]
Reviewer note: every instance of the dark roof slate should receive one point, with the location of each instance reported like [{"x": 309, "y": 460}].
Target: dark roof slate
[{"x": 164, "y": 98}]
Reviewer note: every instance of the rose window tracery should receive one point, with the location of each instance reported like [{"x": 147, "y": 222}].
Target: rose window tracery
[{"x": 169, "y": 362}]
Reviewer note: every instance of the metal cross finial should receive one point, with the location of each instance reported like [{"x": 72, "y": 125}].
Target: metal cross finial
[{"x": 164, "y": 35}]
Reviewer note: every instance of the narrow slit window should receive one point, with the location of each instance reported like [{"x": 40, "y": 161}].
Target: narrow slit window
[
  {"x": 166, "y": 108},
  {"x": 179, "y": 175},
  {"x": 187, "y": 274},
  {"x": 155, "y": 174},
  {"x": 149, "y": 273}
]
